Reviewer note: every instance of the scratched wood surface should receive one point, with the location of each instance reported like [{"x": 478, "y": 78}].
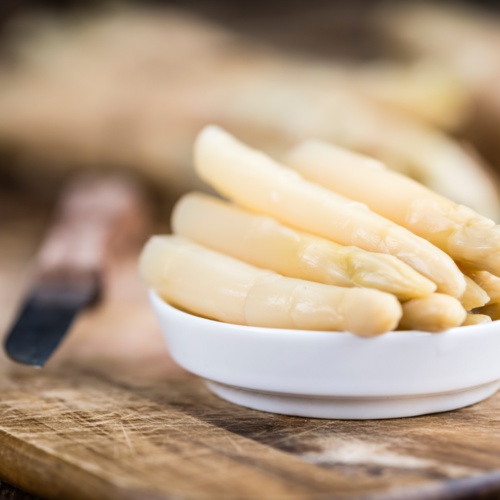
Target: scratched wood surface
[{"x": 113, "y": 417}]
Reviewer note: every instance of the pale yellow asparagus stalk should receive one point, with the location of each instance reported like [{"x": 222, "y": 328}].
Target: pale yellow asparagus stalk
[
  {"x": 468, "y": 237},
  {"x": 487, "y": 281},
  {"x": 476, "y": 319},
  {"x": 491, "y": 285},
  {"x": 216, "y": 286},
  {"x": 264, "y": 242},
  {"x": 258, "y": 183},
  {"x": 474, "y": 296},
  {"x": 434, "y": 313},
  {"x": 491, "y": 310}
]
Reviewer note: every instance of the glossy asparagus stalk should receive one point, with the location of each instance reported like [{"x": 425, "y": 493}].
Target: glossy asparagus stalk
[
  {"x": 434, "y": 313},
  {"x": 474, "y": 296},
  {"x": 487, "y": 281},
  {"x": 219, "y": 287},
  {"x": 491, "y": 310},
  {"x": 491, "y": 285},
  {"x": 468, "y": 237},
  {"x": 258, "y": 183},
  {"x": 476, "y": 319},
  {"x": 264, "y": 242}
]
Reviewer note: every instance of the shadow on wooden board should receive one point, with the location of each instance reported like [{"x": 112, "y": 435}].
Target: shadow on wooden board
[{"x": 8, "y": 492}]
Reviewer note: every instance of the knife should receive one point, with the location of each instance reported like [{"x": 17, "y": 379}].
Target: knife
[{"x": 96, "y": 217}]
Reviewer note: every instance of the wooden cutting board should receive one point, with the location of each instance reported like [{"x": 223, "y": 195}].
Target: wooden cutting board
[{"x": 113, "y": 417}]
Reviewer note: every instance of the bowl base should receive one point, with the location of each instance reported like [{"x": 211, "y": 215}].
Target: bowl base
[{"x": 352, "y": 408}]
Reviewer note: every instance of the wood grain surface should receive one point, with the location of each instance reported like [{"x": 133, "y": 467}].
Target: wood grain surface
[{"x": 113, "y": 417}]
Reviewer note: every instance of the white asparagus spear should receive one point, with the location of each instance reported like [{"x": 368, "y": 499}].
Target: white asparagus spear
[
  {"x": 465, "y": 235},
  {"x": 491, "y": 285},
  {"x": 474, "y": 296},
  {"x": 434, "y": 313},
  {"x": 491, "y": 310},
  {"x": 216, "y": 286},
  {"x": 487, "y": 281},
  {"x": 258, "y": 183},
  {"x": 476, "y": 319},
  {"x": 264, "y": 242}
]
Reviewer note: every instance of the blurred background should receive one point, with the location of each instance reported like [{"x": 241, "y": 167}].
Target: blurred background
[{"x": 126, "y": 86}]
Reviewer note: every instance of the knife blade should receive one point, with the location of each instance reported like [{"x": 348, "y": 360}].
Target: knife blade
[{"x": 96, "y": 217}]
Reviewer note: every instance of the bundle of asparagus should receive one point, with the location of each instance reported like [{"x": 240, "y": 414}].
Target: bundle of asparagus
[{"x": 357, "y": 247}]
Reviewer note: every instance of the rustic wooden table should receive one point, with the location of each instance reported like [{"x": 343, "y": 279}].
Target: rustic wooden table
[{"x": 113, "y": 417}]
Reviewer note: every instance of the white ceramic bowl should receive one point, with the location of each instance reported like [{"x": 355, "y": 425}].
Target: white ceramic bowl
[{"x": 336, "y": 374}]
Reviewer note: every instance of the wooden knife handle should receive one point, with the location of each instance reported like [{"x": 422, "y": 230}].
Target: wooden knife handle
[{"x": 96, "y": 215}]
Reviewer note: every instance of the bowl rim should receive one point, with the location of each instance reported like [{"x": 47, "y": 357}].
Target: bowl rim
[{"x": 459, "y": 330}]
